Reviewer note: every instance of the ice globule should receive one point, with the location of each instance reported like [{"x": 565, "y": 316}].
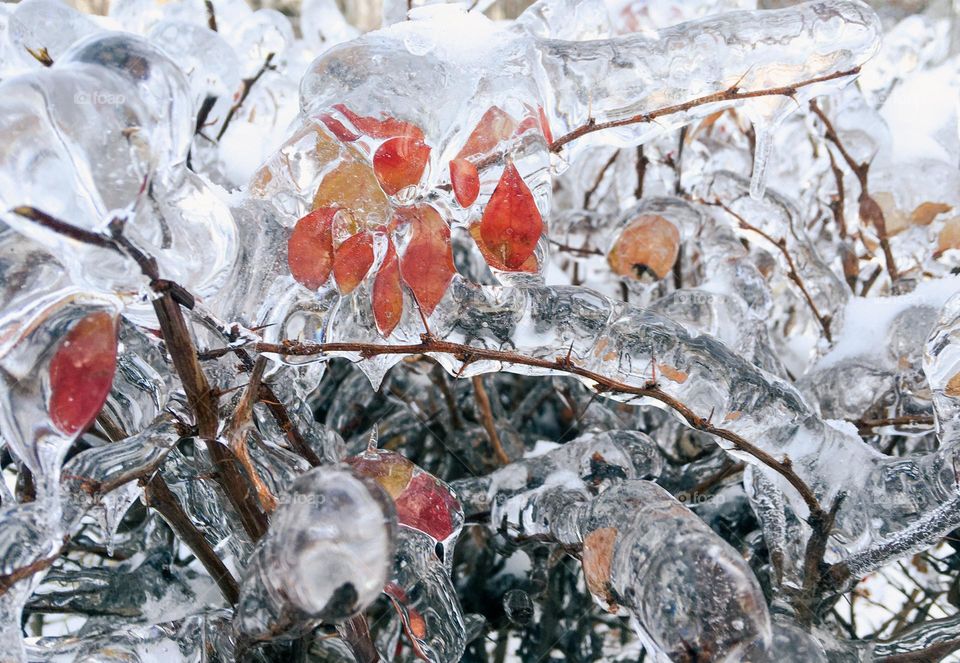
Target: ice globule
[
  {"x": 326, "y": 556},
  {"x": 101, "y": 138},
  {"x": 705, "y": 599}
]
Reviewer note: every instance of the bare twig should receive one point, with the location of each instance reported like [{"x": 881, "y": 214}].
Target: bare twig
[
  {"x": 596, "y": 183},
  {"x": 237, "y": 434},
  {"x": 866, "y": 426},
  {"x": 733, "y": 93},
  {"x": 158, "y": 496},
  {"x": 483, "y": 401},
  {"x": 792, "y": 273},
  {"x": 245, "y": 87},
  {"x": 869, "y": 209},
  {"x": 211, "y": 15}
]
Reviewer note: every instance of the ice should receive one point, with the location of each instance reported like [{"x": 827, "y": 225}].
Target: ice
[
  {"x": 326, "y": 555},
  {"x": 611, "y": 294}
]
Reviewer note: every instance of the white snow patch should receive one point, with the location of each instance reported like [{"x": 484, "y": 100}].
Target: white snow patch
[{"x": 866, "y": 320}]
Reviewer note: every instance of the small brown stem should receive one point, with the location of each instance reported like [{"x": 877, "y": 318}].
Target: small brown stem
[
  {"x": 245, "y": 87},
  {"x": 211, "y": 15},
  {"x": 356, "y": 633},
  {"x": 642, "y": 162},
  {"x": 599, "y": 179},
  {"x": 483, "y": 400},
  {"x": 792, "y": 273},
  {"x": 866, "y": 426},
  {"x": 238, "y": 435},
  {"x": 869, "y": 209}
]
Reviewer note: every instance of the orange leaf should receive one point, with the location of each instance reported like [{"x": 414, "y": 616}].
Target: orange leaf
[
  {"x": 310, "y": 248},
  {"x": 530, "y": 265},
  {"x": 511, "y": 224},
  {"x": 648, "y": 243},
  {"x": 465, "y": 180},
  {"x": 493, "y": 127},
  {"x": 386, "y": 128},
  {"x": 399, "y": 163},
  {"x": 387, "y": 293},
  {"x": 352, "y": 261},
  {"x": 81, "y": 372},
  {"x": 427, "y": 264}
]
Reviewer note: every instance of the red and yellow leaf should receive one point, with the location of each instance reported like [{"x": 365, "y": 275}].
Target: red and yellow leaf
[
  {"x": 530, "y": 265},
  {"x": 387, "y": 293},
  {"x": 399, "y": 163},
  {"x": 511, "y": 224},
  {"x": 427, "y": 264},
  {"x": 310, "y": 248},
  {"x": 387, "y": 127},
  {"x": 352, "y": 260},
  {"x": 353, "y": 187},
  {"x": 81, "y": 372},
  {"x": 465, "y": 180},
  {"x": 493, "y": 127}
]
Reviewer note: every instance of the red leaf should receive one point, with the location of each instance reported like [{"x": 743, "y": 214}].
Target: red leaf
[
  {"x": 352, "y": 261},
  {"x": 428, "y": 506},
  {"x": 511, "y": 224},
  {"x": 465, "y": 180},
  {"x": 386, "y": 128},
  {"x": 399, "y": 163},
  {"x": 387, "y": 293},
  {"x": 310, "y": 248},
  {"x": 81, "y": 372},
  {"x": 493, "y": 127},
  {"x": 545, "y": 125},
  {"x": 337, "y": 129},
  {"x": 427, "y": 264}
]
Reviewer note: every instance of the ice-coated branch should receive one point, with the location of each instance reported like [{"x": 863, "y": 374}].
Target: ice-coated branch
[
  {"x": 562, "y": 365},
  {"x": 731, "y": 94}
]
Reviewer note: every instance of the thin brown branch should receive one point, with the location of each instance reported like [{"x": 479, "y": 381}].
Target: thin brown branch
[
  {"x": 159, "y": 497},
  {"x": 733, "y": 93},
  {"x": 642, "y": 162},
  {"x": 237, "y": 434},
  {"x": 486, "y": 411},
  {"x": 866, "y": 426},
  {"x": 792, "y": 273},
  {"x": 62, "y": 228},
  {"x": 245, "y": 87},
  {"x": 813, "y": 565},
  {"x": 279, "y": 413},
  {"x": 603, "y": 383},
  {"x": 869, "y": 209},
  {"x": 596, "y": 183},
  {"x": 8, "y": 580}
]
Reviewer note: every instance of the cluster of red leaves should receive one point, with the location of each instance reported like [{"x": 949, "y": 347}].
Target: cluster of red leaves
[
  {"x": 81, "y": 372},
  {"x": 507, "y": 233}
]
